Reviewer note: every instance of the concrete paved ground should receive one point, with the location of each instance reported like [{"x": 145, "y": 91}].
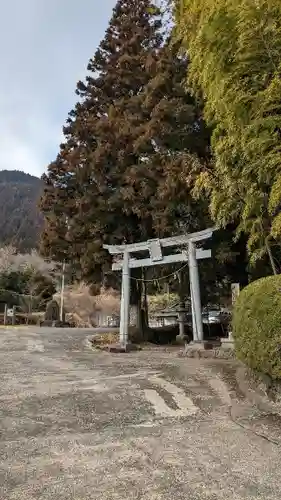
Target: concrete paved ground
[{"x": 77, "y": 424}]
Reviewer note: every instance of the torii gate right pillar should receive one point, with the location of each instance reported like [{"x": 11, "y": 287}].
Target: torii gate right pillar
[{"x": 197, "y": 323}]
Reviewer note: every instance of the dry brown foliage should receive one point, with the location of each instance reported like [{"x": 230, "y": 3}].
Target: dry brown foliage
[
  {"x": 11, "y": 260},
  {"x": 85, "y": 307}
]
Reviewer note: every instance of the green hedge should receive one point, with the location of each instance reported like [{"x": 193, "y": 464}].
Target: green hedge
[{"x": 257, "y": 326}]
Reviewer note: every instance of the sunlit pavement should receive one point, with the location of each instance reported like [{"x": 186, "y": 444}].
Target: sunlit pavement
[{"x": 78, "y": 424}]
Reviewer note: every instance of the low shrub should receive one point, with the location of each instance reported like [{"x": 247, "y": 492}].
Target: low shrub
[
  {"x": 257, "y": 326},
  {"x": 105, "y": 338}
]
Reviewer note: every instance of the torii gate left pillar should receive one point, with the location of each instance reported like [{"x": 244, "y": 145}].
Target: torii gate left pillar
[
  {"x": 125, "y": 300},
  {"x": 154, "y": 247}
]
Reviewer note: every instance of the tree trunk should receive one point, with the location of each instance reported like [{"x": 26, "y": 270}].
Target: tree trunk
[
  {"x": 142, "y": 308},
  {"x": 270, "y": 255},
  {"x": 182, "y": 303}
]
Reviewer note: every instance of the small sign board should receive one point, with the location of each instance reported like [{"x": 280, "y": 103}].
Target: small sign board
[
  {"x": 155, "y": 250},
  {"x": 10, "y": 313}
]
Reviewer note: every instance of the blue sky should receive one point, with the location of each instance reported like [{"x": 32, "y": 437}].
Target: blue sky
[{"x": 45, "y": 46}]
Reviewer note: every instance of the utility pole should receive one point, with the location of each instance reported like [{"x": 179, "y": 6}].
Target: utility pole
[
  {"x": 5, "y": 314},
  {"x": 62, "y": 291},
  {"x": 181, "y": 311},
  {"x": 63, "y": 277}
]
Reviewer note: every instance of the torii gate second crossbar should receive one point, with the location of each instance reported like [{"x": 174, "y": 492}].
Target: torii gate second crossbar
[{"x": 189, "y": 254}]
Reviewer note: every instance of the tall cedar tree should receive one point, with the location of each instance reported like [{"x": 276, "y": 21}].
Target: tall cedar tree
[
  {"x": 83, "y": 185},
  {"x": 171, "y": 137},
  {"x": 167, "y": 135},
  {"x": 123, "y": 173}
]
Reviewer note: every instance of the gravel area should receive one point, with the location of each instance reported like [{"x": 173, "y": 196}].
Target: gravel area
[{"x": 80, "y": 424}]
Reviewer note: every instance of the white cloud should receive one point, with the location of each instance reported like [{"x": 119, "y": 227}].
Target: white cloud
[{"x": 44, "y": 49}]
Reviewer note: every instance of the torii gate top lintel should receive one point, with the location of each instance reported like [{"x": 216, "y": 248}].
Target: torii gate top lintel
[{"x": 164, "y": 242}]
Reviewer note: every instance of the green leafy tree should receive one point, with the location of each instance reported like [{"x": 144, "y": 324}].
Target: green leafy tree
[
  {"x": 40, "y": 289},
  {"x": 13, "y": 284},
  {"x": 235, "y": 52},
  {"x": 25, "y": 288}
]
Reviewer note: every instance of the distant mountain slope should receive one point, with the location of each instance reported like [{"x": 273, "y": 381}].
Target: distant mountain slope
[{"x": 20, "y": 220}]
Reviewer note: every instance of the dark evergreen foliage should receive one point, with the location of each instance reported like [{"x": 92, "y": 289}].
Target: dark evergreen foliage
[
  {"x": 21, "y": 221},
  {"x": 121, "y": 176}
]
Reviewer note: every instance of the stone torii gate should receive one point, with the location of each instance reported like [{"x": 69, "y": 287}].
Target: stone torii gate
[{"x": 190, "y": 254}]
